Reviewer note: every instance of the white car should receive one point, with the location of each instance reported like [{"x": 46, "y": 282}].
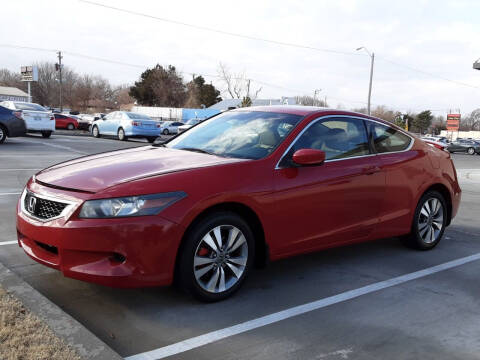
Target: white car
[
  {"x": 189, "y": 124},
  {"x": 37, "y": 118},
  {"x": 170, "y": 127}
]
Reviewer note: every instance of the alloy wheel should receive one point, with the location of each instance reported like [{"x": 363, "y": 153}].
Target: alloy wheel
[
  {"x": 2, "y": 135},
  {"x": 430, "y": 220},
  {"x": 471, "y": 151},
  {"x": 220, "y": 258}
]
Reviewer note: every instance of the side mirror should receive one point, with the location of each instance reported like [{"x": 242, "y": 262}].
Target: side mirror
[{"x": 308, "y": 157}]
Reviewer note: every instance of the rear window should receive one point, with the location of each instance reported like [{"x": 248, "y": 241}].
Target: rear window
[
  {"x": 137, "y": 116},
  {"x": 387, "y": 139},
  {"x": 29, "y": 106}
]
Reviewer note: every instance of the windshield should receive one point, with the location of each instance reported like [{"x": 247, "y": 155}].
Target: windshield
[
  {"x": 136, "y": 116},
  {"x": 192, "y": 122},
  {"x": 239, "y": 134},
  {"x": 29, "y": 106}
]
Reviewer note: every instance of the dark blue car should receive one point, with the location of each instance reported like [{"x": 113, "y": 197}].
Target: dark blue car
[{"x": 11, "y": 124}]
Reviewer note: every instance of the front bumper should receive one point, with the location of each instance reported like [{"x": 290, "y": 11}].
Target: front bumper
[{"x": 123, "y": 252}]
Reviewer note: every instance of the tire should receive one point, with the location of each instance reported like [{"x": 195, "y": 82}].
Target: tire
[
  {"x": 70, "y": 127},
  {"x": 121, "y": 135},
  {"x": 471, "y": 151},
  {"x": 151, "y": 139},
  {"x": 165, "y": 132},
  {"x": 3, "y": 134},
  {"x": 200, "y": 268},
  {"x": 426, "y": 221},
  {"x": 90, "y": 128},
  {"x": 46, "y": 134},
  {"x": 96, "y": 132}
]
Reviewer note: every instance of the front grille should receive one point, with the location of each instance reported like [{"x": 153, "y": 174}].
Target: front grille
[{"x": 42, "y": 208}]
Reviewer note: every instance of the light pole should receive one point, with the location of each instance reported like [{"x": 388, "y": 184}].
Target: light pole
[
  {"x": 315, "y": 95},
  {"x": 372, "y": 57}
]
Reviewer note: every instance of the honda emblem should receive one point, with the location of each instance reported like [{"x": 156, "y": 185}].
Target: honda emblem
[{"x": 32, "y": 202}]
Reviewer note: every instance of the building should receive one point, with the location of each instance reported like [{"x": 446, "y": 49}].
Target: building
[
  {"x": 12, "y": 94},
  {"x": 229, "y": 104}
]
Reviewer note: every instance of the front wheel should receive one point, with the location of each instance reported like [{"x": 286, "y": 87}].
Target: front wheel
[
  {"x": 46, "y": 134},
  {"x": 429, "y": 222},
  {"x": 89, "y": 128},
  {"x": 121, "y": 135},
  {"x": 70, "y": 127},
  {"x": 151, "y": 139},
  {"x": 95, "y": 132},
  {"x": 471, "y": 151},
  {"x": 216, "y": 257},
  {"x": 165, "y": 132}
]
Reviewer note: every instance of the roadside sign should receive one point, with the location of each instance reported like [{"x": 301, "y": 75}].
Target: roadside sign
[
  {"x": 29, "y": 73},
  {"x": 453, "y": 122}
]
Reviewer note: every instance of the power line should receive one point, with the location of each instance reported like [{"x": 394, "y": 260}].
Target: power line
[
  {"x": 428, "y": 73},
  {"x": 219, "y": 31},
  {"x": 139, "y": 66},
  {"x": 277, "y": 42}
]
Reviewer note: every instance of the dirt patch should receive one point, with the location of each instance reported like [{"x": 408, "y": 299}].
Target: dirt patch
[{"x": 24, "y": 336}]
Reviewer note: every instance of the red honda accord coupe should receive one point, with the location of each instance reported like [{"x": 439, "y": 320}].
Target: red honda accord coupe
[{"x": 233, "y": 191}]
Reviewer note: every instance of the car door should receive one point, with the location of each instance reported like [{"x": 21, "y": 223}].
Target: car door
[
  {"x": 109, "y": 124},
  {"x": 338, "y": 201},
  {"x": 60, "y": 122},
  {"x": 404, "y": 174}
]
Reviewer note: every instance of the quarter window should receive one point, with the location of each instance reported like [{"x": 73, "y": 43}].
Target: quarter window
[
  {"x": 387, "y": 139},
  {"x": 338, "y": 137}
]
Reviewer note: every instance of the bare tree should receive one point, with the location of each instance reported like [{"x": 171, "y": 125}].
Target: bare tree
[
  {"x": 310, "y": 101},
  {"x": 238, "y": 86},
  {"x": 11, "y": 79}
]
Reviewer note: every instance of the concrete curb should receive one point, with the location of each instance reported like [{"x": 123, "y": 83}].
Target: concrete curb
[{"x": 63, "y": 325}]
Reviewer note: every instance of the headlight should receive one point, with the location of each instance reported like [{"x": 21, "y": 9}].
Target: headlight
[{"x": 130, "y": 206}]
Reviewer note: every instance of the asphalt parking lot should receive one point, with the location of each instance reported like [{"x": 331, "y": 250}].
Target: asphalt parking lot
[{"x": 357, "y": 311}]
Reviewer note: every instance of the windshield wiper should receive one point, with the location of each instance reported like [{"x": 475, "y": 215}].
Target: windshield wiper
[{"x": 199, "y": 151}]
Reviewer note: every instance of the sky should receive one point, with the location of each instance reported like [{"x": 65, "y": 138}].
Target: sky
[{"x": 424, "y": 49}]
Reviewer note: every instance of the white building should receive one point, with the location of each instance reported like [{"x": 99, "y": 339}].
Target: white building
[{"x": 12, "y": 94}]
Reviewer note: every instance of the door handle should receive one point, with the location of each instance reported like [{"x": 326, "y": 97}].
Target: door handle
[{"x": 370, "y": 170}]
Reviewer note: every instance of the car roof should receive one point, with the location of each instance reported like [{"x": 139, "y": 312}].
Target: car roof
[{"x": 306, "y": 110}]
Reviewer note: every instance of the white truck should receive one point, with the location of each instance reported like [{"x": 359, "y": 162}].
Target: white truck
[{"x": 37, "y": 118}]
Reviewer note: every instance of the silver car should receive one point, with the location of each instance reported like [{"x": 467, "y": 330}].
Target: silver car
[{"x": 170, "y": 127}]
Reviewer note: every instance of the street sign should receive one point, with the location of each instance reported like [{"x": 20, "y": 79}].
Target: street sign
[
  {"x": 29, "y": 73},
  {"x": 453, "y": 122}
]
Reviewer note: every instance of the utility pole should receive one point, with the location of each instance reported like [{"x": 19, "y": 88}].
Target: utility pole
[
  {"x": 59, "y": 53},
  {"x": 372, "y": 60}
]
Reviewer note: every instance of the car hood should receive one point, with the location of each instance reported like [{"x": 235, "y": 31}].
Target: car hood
[{"x": 97, "y": 172}]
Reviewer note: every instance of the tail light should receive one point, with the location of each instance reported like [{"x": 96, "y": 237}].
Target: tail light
[
  {"x": 159, "y": 125},
  {"x": 18, "y": 114},
  {"x": 135, "y": 123},
  {"x": 52, "y": 117},
  {"x": 437, "y": 145}
]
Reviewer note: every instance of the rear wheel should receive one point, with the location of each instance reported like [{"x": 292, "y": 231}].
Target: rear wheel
[
  {"x": 70, "y": 127},
  {"x": 3, "y": 134},
  {"x": 165, "y": 132},
  {"x": 121, "y": 135},
  {"x": 46, "y": 134},
  {"x": 89, "y": 128},
  {"x": 216, "y": 257},
  {"x": 429, "y": 222},
  {"x": 151, "y": 139},
  {"x": 471, "y": 151},
  {"x": 96, "y": 132}
]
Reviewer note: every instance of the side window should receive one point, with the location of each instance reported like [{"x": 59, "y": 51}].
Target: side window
[
  {"x": 338, "y": 137},
  {"x": 387, "y": 139}
]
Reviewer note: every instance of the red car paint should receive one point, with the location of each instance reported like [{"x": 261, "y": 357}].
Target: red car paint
[
  {"x": 63, "y": 121},
  {"x": 300, "y": 209}
]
